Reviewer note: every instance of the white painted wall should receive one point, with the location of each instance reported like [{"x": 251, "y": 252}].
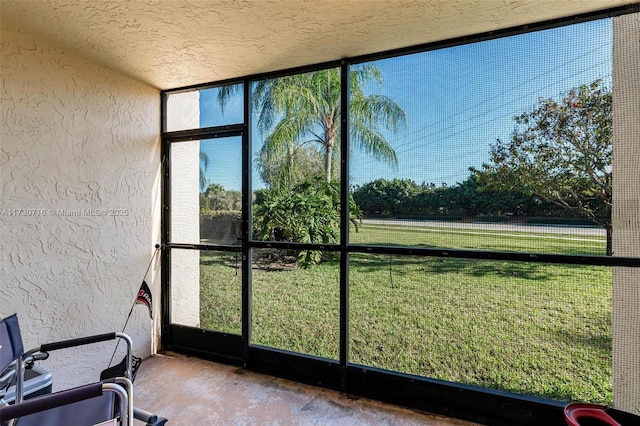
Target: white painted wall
[
  {"x": 79, "y": 201},
  {"x": 626, "y": 211}
]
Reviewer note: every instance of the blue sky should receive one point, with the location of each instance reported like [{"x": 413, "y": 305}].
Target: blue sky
[{"x": 458, "y": 101}]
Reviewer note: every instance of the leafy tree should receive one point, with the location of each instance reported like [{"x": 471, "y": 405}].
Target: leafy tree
[
  {"x": 309, "y": 212},
  {"x": 220, "y": 199},
  {"x": 561, "y": 152},
  {"x": 385, "y": 197},
  {"x": 281, "y": 169},
  {"x": 305, "y": 109},
  {"x": 204, "y": 204},
  {"x": 435, "y": 201},
  {"x": 474, "y": 198}
]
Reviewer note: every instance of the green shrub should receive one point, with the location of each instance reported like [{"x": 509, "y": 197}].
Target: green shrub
[
  {"x": 221, "y": 226},
  {"x": 308, "y": 212}
]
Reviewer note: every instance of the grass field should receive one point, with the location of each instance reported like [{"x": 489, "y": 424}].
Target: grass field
[{"x": 531, "y": 328}]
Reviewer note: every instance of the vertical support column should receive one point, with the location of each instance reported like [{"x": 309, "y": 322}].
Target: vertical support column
[
  {"x": 344, "y": 223},
  {"x": 626, "y": 211},
  {"x": 247, "y": 220}
]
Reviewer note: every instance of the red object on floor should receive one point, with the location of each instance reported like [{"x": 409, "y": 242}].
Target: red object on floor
[{"x": 573, "y": 413}]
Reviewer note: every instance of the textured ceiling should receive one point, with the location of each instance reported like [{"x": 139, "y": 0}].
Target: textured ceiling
[{"x": 175, "y": 43}]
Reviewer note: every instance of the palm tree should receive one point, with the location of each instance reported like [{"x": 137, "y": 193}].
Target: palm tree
[
  {"x": 204, "y": 161},
  {"x": 305, "y": 108}
]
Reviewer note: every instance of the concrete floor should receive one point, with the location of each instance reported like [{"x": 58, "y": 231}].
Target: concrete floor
[{"x": 191, "y": 391}]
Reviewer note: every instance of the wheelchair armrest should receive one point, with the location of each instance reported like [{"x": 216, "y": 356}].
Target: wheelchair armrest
[
  {"x": 47, "y": 347},
  {"x": 46, "y": 402}
]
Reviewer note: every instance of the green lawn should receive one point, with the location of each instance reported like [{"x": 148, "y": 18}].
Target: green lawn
[{"x": 531, "y": 328}]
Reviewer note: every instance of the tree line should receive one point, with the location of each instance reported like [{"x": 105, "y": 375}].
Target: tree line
[{"x": 471, "y": 199}]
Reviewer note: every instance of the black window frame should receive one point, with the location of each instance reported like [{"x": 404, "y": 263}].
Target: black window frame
[{"x": 452, "y": 399}]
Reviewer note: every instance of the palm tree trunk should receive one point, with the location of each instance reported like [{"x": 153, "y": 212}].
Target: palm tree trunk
[
  {"x": 327, "y": 162},
  {"x": 330, "y": 141}
]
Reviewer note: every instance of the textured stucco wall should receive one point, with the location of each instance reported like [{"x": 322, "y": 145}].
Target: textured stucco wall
[
  {"x": 79, "y": 201},
  {"x": 626, "y": 211}
]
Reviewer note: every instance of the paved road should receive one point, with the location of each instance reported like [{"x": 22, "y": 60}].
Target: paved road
[{"x": 506, "y": 227}]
